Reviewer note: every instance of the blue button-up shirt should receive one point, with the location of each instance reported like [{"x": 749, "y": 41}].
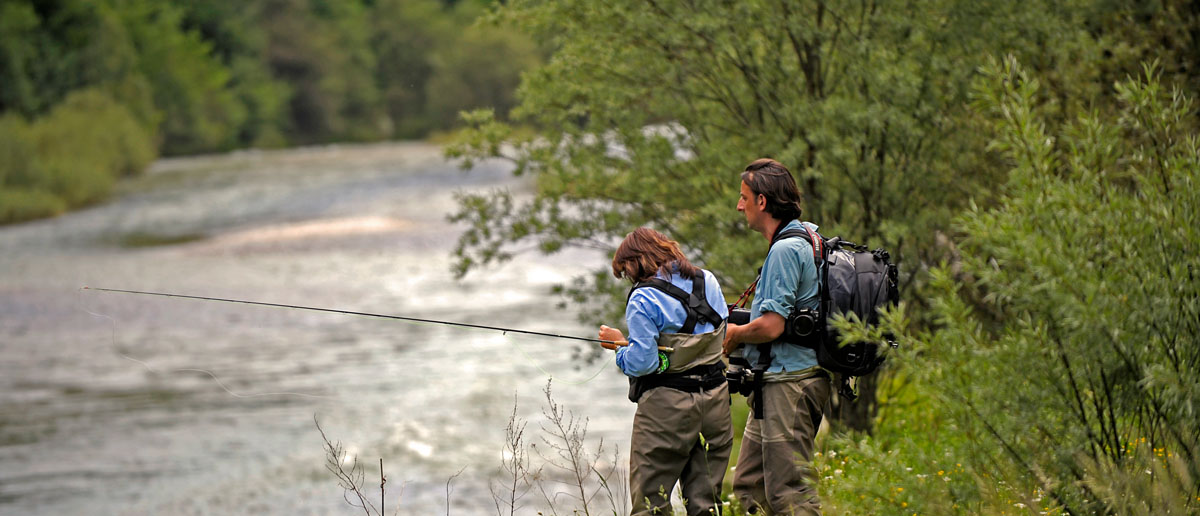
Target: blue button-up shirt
[
  {"x": 789, "y": 264},
  {"x": 651, "y": 312}
]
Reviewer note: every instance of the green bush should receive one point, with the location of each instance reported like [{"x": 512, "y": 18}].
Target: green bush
[
  {"x": 16, "y": 151},
  {"x": 85, "y": 144},
  {"x": 19, "y": 204},
  {"x": 70, "y": 157},
  {"x": 1059, "y": 375}
]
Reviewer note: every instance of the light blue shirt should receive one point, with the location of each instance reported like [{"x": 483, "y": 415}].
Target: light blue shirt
[
  {"x": 789, "y": 264},
  {"x": 651, "y": 312}
]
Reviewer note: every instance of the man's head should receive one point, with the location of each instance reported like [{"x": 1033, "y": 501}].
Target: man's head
[{"x": 768, "y": 191}]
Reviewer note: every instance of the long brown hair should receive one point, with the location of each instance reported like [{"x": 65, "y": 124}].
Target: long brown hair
[{"x": 644, "y": 252}]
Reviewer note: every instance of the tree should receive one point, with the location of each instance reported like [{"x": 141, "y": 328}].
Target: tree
[
  {"x": 405, "y": 35},
  {"x": 481, "y": 69},
  {"x": 199, "y": 110},
  {"x": 240, "y": 44},
  {"x": 321, "y": 50},
  {"x": 647, "y": 111},
  {"x": 49, "y": 49},
  {"x": 1067, "y": 331}
]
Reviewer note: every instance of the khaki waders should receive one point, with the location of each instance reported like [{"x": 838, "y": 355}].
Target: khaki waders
[
  {"x": 774, "y": 474},
  {"x": 682, "y": 434}
]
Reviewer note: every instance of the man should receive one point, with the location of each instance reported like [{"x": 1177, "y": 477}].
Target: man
[{"x": 773, "y": 474}]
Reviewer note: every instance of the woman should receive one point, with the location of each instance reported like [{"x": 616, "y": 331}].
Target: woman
[{"x": 682, "y": 430}]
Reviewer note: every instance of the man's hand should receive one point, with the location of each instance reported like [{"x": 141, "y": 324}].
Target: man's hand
[
  {"x": 731, "y": 343},
  {"x": 766, "y": 328},
  {"x": 611, "y": 334}
]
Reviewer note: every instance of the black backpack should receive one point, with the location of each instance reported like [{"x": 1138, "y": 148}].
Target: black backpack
[{"x": 851, "y": 280}]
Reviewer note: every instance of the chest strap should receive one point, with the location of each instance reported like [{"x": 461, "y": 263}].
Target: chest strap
[
  {"x": 696, "y": 379},
  {"x": 695, "y": 302}
]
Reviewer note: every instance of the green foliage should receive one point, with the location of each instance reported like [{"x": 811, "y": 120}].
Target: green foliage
[
  {"x": 70, "y": 157},
  {"x": 1066, "y": 334},
  {"x": 20, "y": 204},
  {"x": 434, "y": 62},
  {"x": 133, "y": 50},
  {"x": 47, "y": 51},
  {"x": 240, "y": 44},
  {"x": 207, "y": 75},
  {"x": 16, "y": 151},
  {"x": 480, "y": 70},
  {"x": 18, "y": 24},
  {"x": 647, "y": 112},
  {"x": 320, "y": 50},
  {"x": 405, "y": 35},
  {"x": 211, "y": 74},
  {"x": 1148, "y": 481},
  {"x": 190, "y": 87}
]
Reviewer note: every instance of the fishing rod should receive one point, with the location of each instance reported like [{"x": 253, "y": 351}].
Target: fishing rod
[{"x": 618, "y": 343}]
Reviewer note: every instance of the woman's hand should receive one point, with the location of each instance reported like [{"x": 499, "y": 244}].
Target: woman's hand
[{"x": 611, "y": 334}]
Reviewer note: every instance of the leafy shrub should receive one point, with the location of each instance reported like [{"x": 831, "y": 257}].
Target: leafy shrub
[
  {"x": 19, "y": 204},
  {"x": 16, "y": 151},
  {"x": 70, "y": 157},
  {"x": 1060, "y": 370}
]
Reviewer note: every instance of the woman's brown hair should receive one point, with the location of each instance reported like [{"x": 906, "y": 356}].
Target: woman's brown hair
[{"x": 644, "y": 252}]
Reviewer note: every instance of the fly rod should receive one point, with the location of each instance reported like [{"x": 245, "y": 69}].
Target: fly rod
[{"x": 367, "y": 314}]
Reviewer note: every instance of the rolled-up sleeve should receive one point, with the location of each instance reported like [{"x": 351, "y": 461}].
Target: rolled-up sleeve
[
  {"x": 640, "y": 357},
  {"x": 777, "y": 287}
]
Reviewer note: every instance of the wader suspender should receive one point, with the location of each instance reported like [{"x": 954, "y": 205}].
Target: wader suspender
[
  {"x": 695, "y": 302},
  {"x": 764, "y": 349},
  {"x": 698, "y": 310}
]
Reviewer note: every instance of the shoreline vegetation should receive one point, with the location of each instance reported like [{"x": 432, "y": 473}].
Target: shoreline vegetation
[{"x": 93, "y": 92}]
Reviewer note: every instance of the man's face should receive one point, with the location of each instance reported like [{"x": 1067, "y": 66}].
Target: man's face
[{"x": 752, "y": 205}]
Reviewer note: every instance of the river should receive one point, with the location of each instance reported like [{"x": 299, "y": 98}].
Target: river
[{"x": 115, "y": 403}]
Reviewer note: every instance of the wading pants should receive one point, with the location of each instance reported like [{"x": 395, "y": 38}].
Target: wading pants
[
  {"x": 774, "y": 475},
  {"x": 666, "y": 447}
]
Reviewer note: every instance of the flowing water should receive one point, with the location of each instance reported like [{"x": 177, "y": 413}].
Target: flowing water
[{"x": 123, "y": 404}]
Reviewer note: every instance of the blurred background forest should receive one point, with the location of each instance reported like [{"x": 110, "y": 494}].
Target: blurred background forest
[
  {"x": 95, "y": 90},
  {"x": 1033, "y": 167}
]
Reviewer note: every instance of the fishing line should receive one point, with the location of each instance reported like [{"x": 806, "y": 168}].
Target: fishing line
[
  {"x": 505, "y": 331},
  {"x": 550, "y": 375},
  {"x": 350, "y": 312},
  {"x": 113, "y": 323}
]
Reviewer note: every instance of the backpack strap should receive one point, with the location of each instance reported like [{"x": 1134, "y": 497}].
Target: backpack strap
[
  {"x": 764, "y": 349},
  {"x": 694, "y": 302},
  {"x": 819, "y": 250},
  {"x": 818, "y": 244}
]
